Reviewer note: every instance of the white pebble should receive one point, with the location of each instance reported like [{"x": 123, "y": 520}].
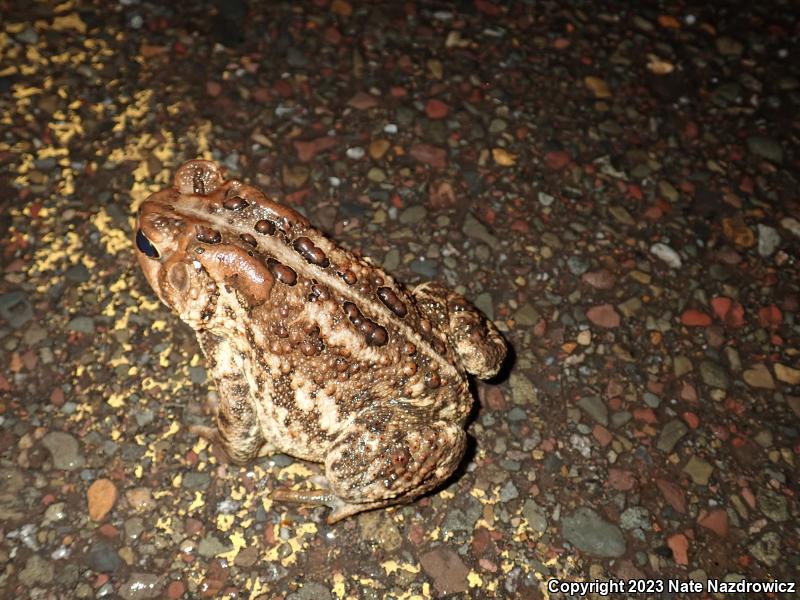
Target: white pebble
[
  {"x": 390, "y": 128},
  {"x": 356, "y": 152},
  {"x": 792, "y": 225},
  {"x": 334, "y": 181},
  {"x": 667, "y": 254},
  {"x": 545, "y": 199},
  {"x": 768, "y": 240},
  {"x": 690, "y": 19}
]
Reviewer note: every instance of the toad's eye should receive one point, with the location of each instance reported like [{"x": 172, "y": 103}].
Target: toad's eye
[{"x": 145, "y": 246}]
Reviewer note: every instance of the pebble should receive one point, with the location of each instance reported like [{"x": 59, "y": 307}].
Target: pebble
[
  {"x": 37, "y": 571},
  {"x": 766, "y": 148},
  {"x": 81, "y": 324},
  {"x": 671, "y": 434},
  {"x": 714, "y": 375},
  {"x": 101, "y": 497},
  {"x": 429, "y": 155},
  {"x": 773, "y": 505},
  {"x": 413, "y": 214},
  {"x": 64, "y": 449},
  {"x": 377, "y": 148},
  {"x": 436, "y": 109},
  {"x": 716, "y": 521},
  {"x": 311, "y": 590},
  {"x": 792, "y": 225},
  {"x": 728, "y": 46},
  {"x": 356, "y": 152},
  {"x": 787, "y": 374},
  {"x": 767, "y": 549},
  {"x": 667, "y": 254},
  {"x": 140, "y": 586},
  {"x": 635, "y": 517},
  {"x": 15, "y": 309},
  {"x": 102, "y": 557},
  {"x": 535, "y": 516},
  {"x": 527, "y": 315},
  {"x": 577, "y": 265},
  {"x": 382, "y": 531},
  {"x": 447, "y": 570},
  {"x": 758, "y": 376},
  {"x": 595, "y": 408},
  {"x": 768, "y": 240},
  {"x": 603, "y": 315},
  {"x": 589, "y": 532},
  {"x": 602, "y": 279},
  {"x": 523, "y": 391},
  {"x": 699, "y": 470}
]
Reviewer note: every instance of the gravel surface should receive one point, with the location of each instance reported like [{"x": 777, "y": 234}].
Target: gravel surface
[{"x": 614, "y": 184}]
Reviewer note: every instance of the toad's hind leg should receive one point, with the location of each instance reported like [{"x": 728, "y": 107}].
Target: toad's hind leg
[
  {"x": 238, "y": 431},
  {"x": 476, "y": 341},
  {"x": 384, "y": 456}
]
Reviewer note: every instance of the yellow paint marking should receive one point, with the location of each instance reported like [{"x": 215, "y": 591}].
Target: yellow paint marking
[
  {"x": 338, "y": 585},
  {"x": 474, "y": 579},
  {"x": 224, "y": 522},
  {"x": 71, "y": 21},
  {"x": 198, "y": 502},
  {"x": 116, "y": 400},
  {"x": 165, "y": 524},
  {"x": 296, "y": 469},
  {"x": 238, "y": 541},
  {"x": 392, "y": 566}
]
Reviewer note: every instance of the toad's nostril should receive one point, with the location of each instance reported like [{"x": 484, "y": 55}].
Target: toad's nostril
[{"x": 144, "y": 245}]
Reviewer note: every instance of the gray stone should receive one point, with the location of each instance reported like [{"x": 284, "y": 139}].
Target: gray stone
[
  {"x": 311, "y": 590},
  {"x": 64, "y": 450},
  {"x": 589, "y": 532},
  {"x": 714, "y": 375},
  {"x": 635, "y": 517},
  {"x": 37, "y": 571},
  {"x": 595, "y": 408},
  {"x": 773, "y": 505},
  {"x": 535, "y": 516},
  {"x": 768, "y": 549},
  {"x": 527, "y": 315},
  {"x": 140, "y": 586},
  {"x": 508, "y": 492},
  {"x": 210, "y": 546},
  {"x": 81, "y": 324},
  {"x": 766, "y": 148},
  {"x": 413, "y": 214},
  {"x": 12, "y": 504},
  {"x": 577, "y": 265},
  {"x": 102, "y": 557},
  {"x": 15, "y": 308},
  {"x": 670, "y": 435},
  {"x": 194, "y": 480},
  {"x": 728, "y": 46},
  {"x": 477, "y": 230},
  {"x": 522, "y": 390}
]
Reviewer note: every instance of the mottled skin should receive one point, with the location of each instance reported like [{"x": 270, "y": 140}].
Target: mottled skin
[{"x": 316, "y": 353}]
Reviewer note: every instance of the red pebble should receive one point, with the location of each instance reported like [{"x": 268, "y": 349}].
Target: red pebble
[
  {"x": 695, "y": 318},
  {"x": 556, "y": 160},
  {"x": 436, "y": 109}
]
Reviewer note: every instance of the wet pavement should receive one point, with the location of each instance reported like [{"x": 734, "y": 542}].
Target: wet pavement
[{"x": 615, "y": 186}]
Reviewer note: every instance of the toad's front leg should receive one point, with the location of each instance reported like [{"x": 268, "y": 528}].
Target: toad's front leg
[{"x": 385, "y": 456}]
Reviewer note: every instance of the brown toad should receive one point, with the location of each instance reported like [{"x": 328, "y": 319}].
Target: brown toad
[{"x": 315, "y": 352}]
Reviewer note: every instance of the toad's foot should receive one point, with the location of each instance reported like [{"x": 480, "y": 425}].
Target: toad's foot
[{"x": 387, "y": 455}]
